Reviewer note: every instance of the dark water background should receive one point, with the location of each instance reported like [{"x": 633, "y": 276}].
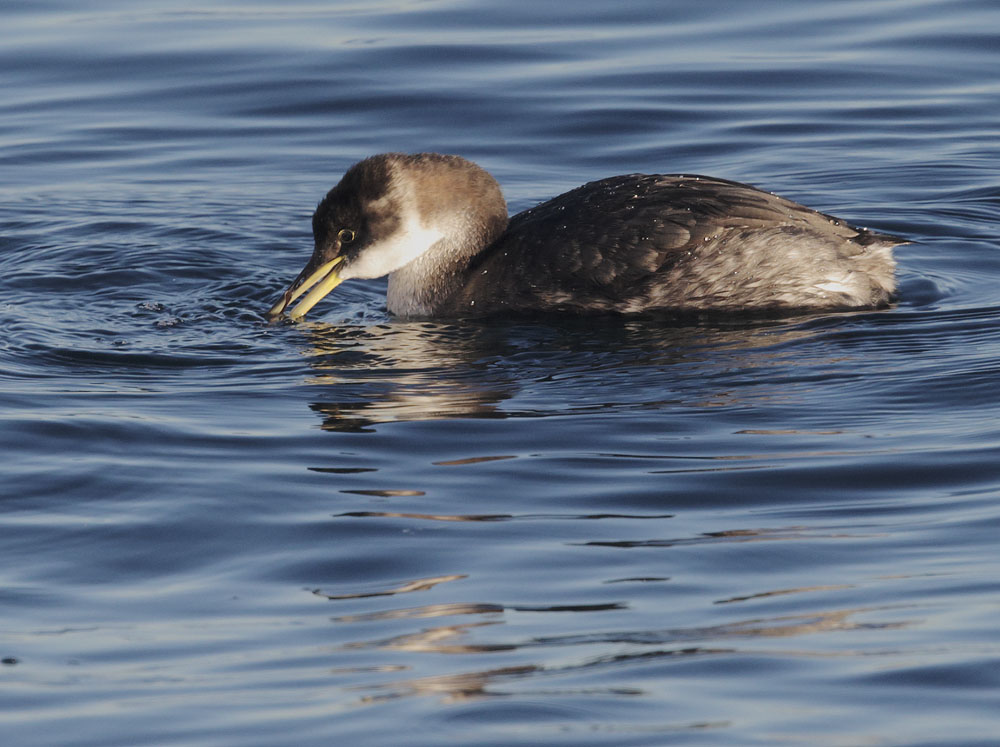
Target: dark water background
[{"x": 362, "y": 531}]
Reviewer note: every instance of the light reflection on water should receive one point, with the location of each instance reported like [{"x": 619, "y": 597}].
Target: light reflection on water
[{"x": 412, "y": 371}]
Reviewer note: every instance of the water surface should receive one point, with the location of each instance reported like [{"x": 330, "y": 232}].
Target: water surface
[{"x": 607, "y": 532}]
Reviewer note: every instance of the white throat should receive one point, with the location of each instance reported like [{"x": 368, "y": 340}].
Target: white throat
[{"x": 410, "y": 241}]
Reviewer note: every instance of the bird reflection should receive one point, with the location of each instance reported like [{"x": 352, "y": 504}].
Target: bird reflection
[
  {"x": 417, "y": 371},
  {"x": 400, "y": 372}
]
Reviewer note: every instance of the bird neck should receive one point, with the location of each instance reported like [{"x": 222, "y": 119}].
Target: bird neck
[
  {"x": 425, "y": 285},
  {"x": 460, "y": 202}
]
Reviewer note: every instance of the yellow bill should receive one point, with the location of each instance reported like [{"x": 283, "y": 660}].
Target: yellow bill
[{"x": 326, "y": 277}]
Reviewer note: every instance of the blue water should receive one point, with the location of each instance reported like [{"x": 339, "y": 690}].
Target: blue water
[{"x": 356, "y": 530}]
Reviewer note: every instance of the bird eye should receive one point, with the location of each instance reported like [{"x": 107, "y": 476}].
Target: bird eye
[{"x": 346, "y": 235}]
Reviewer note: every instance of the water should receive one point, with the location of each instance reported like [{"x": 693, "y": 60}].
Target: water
[{"x": 369, "y": 532}]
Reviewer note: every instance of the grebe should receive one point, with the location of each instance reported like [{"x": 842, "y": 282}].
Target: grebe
[{"x": 437, "y": 226}]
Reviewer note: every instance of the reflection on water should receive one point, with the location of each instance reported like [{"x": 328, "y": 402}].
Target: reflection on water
[
  {"x": 782, "y": 592},
  {"x": 494, "y": 517},
  {"x": 430, "y": 610},
  {"x": 550, "y": 662},
  {"x": 437, "y": 640},
  {"x": 731, "y": 535},
  {"x": 420, "y": 584},
  {"x": 483, "y": 369},
  {"x": 688, "y": 644},
  {"x": 453, "y": 687}
]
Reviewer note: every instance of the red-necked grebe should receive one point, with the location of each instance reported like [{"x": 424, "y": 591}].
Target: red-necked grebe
[{"x": 437, "y": 226}]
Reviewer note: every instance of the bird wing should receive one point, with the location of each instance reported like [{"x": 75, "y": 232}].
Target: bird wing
[{"x": 608, "y": 237}]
